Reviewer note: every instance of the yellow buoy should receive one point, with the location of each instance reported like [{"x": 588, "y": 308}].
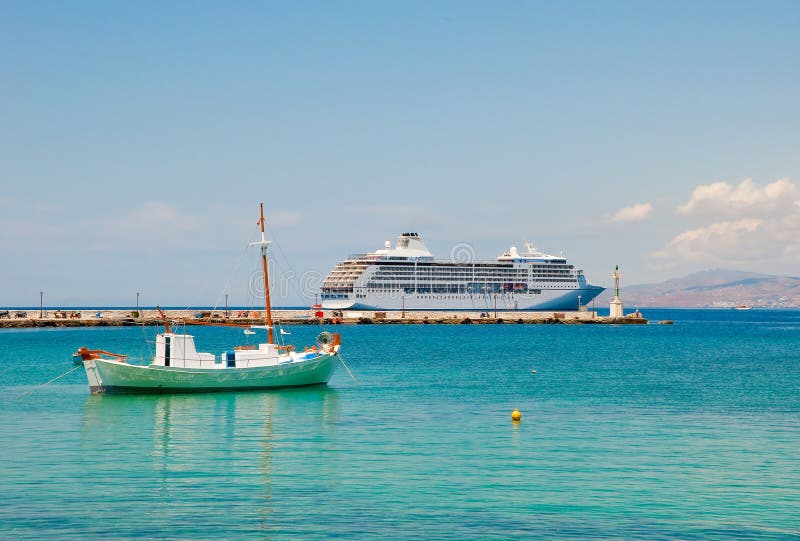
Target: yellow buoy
[{"x": 516, "y": 415}]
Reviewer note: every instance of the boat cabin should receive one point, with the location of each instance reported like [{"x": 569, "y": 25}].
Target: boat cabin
[{"x": 178, "y": 351}]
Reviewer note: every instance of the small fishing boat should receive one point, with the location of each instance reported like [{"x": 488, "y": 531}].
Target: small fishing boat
[{"x": 178, "y": 367}]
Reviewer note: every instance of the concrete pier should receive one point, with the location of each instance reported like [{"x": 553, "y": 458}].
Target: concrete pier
[{"x": 118, "y": 317}]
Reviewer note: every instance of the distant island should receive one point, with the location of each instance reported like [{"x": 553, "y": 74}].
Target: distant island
[{"x": 717, "y": 288}]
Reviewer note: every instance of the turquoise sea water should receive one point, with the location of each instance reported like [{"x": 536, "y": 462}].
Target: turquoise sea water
[{"x": 689, "y": 431}]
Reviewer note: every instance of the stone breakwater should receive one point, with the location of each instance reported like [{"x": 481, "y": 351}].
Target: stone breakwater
[{"x": 117, "y": 318}]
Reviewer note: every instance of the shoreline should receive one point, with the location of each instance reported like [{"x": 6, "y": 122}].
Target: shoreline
[{"x": 124, "y": 318}]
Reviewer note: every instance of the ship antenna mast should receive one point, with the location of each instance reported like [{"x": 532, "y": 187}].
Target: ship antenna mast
[{"x": 264, "y": 243}]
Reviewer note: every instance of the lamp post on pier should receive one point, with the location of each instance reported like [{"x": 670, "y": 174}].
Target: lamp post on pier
[
  {"x": 137, "y": 301},
  {"x": 226, "y": 306},
  {"x": 41, "y": 304}
]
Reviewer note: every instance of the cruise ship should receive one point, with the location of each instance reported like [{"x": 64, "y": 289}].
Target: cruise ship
[{"x": 408, "y": 277}]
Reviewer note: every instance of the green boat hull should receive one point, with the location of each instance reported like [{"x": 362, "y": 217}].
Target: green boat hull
[{"x": 112, "y": 376}]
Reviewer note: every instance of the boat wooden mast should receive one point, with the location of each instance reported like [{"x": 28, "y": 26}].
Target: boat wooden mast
[{"x": 267, "y": 307}]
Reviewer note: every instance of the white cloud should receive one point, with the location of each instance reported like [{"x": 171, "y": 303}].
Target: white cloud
[
  {"x": 748, "y": 240},
  {"x": 715, "y": 242},
  {"x": 634, "y": 213},
  {"x": 723, "y": 199},
  {"x": 755, "y": 225},
  {"x": 283, "y": 218},
  {"x": 29, "y": 231},
  {"x": 156, "y": 213},
  {"x": 157, "y": 216}
]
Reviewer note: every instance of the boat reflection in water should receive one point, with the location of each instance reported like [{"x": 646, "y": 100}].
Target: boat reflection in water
[{"x": 211, "y": 458}]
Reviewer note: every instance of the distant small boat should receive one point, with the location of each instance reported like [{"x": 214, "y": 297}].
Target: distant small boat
[
  {"x": 179, "y": 367},
  {"x": 742, "y": 307}
]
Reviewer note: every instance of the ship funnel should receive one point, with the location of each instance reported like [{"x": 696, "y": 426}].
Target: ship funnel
[{"x": 411, "y": 245}]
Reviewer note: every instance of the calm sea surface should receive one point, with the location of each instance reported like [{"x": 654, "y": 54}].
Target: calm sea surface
[{"x": 689, "y": 431}]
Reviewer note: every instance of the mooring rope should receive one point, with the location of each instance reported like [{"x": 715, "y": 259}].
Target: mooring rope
[
  {"x": 347, "y": 368},
  {"x": 70, "y": 371}
]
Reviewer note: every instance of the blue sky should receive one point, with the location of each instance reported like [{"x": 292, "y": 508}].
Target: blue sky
[{"x": 137, "y": 139}]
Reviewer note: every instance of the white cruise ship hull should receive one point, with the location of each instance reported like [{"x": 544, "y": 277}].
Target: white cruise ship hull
[{"x": 552, "y": 300}]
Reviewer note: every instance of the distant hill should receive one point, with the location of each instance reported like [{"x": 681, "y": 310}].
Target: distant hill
[{"x": 713, "y": 288}]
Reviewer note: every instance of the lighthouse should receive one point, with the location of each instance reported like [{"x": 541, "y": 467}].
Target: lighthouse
[{"x": 615, "y": 309}]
